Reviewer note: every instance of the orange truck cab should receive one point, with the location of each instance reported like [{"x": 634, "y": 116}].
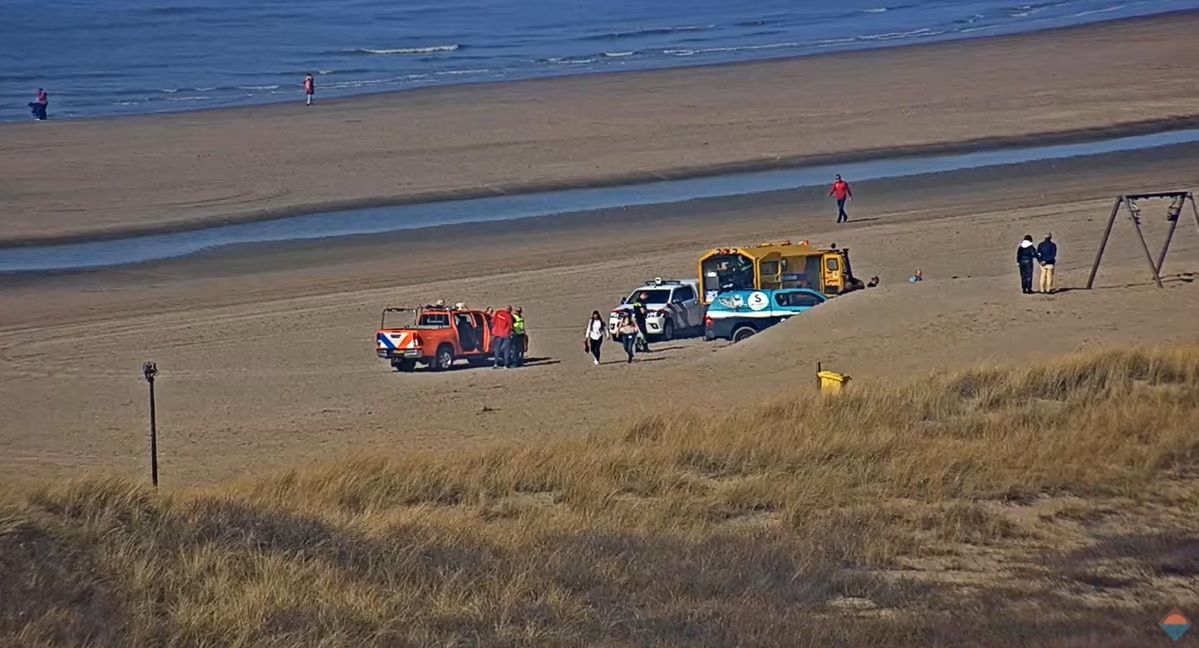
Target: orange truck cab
[{"x": 438, "y": 337}]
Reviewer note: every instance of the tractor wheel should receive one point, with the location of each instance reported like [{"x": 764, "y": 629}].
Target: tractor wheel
[
  {"x": 668, "y": 331},
  {"x": 444, "y": 358},
  {"x": 404, "y": 365},
  {"x": 744, "y": 333}
]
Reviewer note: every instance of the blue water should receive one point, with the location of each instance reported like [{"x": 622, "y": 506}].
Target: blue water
[
  {"x": 108, "y": 57},
  {"x": 139, "y": 249}
]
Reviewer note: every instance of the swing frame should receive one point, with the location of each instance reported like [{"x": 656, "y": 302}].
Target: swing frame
[{"x": 1173, "y": 214}]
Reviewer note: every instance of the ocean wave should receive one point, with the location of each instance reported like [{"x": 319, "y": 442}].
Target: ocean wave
[
  {"x": 877, "y": 10},
  {"x": 189, "y": 98},
  {"x": 461, "y": 72},
  {"x": 730, "y": 48},
  {"x": 253, "y": 87},
  {"x": 618, "y": 54},
  {"x": 923, "y": 32},
  {"x": 566, "y": 60},
  {"x": 649, "y": 31},
  {"x": 433, "y": 49},
  {"x": 1099, "y": 11}
]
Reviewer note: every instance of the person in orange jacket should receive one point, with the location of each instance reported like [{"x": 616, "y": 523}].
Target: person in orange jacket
[{"x": 842, "y": 193}]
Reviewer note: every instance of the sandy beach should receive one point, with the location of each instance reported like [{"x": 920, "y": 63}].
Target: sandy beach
[
  {"x": 266, "y": 352},
  {"x": 72, "y": 179}
]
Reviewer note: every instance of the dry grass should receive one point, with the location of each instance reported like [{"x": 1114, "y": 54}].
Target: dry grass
[{"x": 1045, "y": 505}]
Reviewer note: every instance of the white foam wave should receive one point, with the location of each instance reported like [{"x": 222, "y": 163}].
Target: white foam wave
[
  {"x": 458, "y": 72},
  {"x": 203, "y": 98},
  {"x": 256, "y": 87},
  {"x": 897, "y": 35},
  {"x": 618, "y": 54},
  {"x": 875, "y": 10},
  {"x": 409, "y": 50},
  {"x": 1099, "y": 11}
]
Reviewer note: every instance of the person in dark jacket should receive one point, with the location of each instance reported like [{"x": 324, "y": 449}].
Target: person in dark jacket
[
  {"x": 1026, "y": 254},
  {"x": 1047, "y": 255}
]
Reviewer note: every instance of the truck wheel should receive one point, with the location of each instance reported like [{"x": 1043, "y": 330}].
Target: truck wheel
[
  {"x": 404, "y": 365},
  {"x": 743, "y": 333},
  {"x": 444, "y": 358},
  {"x": 667, "y": 331}
]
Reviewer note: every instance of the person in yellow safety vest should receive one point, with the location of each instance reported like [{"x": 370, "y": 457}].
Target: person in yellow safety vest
[{"x": 520, "y": 341}]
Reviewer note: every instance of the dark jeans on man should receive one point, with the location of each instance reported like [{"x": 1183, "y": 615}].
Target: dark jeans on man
[
  {"x": 630, "y": 345},
  {"x": 517, "y": 351},
  {"x": 842, "y": 217},
  {"x": 502, "y": 351},
  {"x": 642, "y": 337},
  {"x": 1025, "y": 276}
]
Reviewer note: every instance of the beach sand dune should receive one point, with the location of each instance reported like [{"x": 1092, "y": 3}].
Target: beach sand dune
[{"x": 78, "y": 178}]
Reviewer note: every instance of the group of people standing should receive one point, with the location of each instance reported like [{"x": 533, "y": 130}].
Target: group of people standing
[
  {"x": 630, "y": 330},
  {"x": 509, "y": 341},
  {"x": 1029, "y": 254}
]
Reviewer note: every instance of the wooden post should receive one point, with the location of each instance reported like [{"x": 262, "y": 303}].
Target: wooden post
[
  {"x": 1161, "y": 258},
  {"x": 150, "y": 370},
  {"x": 1103, "y": 244}
]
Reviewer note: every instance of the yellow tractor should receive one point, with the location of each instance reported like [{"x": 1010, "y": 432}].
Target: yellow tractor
[{"x": 776, "y": 265}]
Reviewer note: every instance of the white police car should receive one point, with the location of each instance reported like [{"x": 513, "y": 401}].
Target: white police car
[{"x": 673, "y": 308}]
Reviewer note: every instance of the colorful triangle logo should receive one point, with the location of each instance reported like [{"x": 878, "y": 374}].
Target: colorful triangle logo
[{"x": 1175, "y": 624}]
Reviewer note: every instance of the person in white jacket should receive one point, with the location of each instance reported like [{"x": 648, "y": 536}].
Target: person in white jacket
[{"x": 593, "y": 339}]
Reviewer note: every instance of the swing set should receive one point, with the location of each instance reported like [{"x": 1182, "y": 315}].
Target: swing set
[{"x": 1178, "y": 200}]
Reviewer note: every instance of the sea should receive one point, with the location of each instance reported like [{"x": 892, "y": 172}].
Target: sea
[{"x": 126, "y": 57}]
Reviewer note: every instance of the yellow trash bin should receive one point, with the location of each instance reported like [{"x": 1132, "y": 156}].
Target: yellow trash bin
[{"x": 831, "y": 382}]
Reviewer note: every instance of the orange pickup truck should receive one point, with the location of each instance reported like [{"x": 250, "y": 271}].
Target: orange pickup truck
[{"x": 438, "y": 337}]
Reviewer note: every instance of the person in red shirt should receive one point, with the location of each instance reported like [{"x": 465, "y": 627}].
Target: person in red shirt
[
  {"x": 842, "y": 193},
  {"x": 501, "y": 334},
  {"x": 309, "y": 89}
]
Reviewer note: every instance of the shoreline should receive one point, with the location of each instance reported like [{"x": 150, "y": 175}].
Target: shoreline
[
  {"x": 1085, "y": 135},
  {"x": 89, "y": 180},
  {"x": 384, "y": 94}
]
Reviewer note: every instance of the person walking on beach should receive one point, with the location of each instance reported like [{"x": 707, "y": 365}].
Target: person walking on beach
[
  {"x": 309, "y": 89},
  {"x": 38, "y": 106},
  {"x": 593, "y": 339},
  {"x": 640, "y": 315},
  {"x": 501, "y": 338},
  {"x": 1047, "y": 255},
  {"x": 628, "y": 335},
  {"x": 841, "y": 191},
  {"x": 1026, "y": 254}
]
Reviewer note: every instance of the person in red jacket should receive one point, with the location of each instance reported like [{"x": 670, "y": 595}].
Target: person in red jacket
[
  {"x": 501, "y": 338},
  {"x": 309, "y": 89},
  {"x": 842, "y": 193}
]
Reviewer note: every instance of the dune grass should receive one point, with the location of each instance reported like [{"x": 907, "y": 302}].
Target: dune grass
[{"x": 1041, "y": 505}]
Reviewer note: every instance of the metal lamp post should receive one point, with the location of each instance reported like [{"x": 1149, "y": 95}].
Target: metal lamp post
[{"x": 150, "y": 370}]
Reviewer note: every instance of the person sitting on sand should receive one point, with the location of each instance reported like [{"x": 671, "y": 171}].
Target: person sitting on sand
[{"x": 919, "y": 276}]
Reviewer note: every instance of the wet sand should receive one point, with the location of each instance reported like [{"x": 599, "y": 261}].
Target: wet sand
[{"x": 73, "y": 179}]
